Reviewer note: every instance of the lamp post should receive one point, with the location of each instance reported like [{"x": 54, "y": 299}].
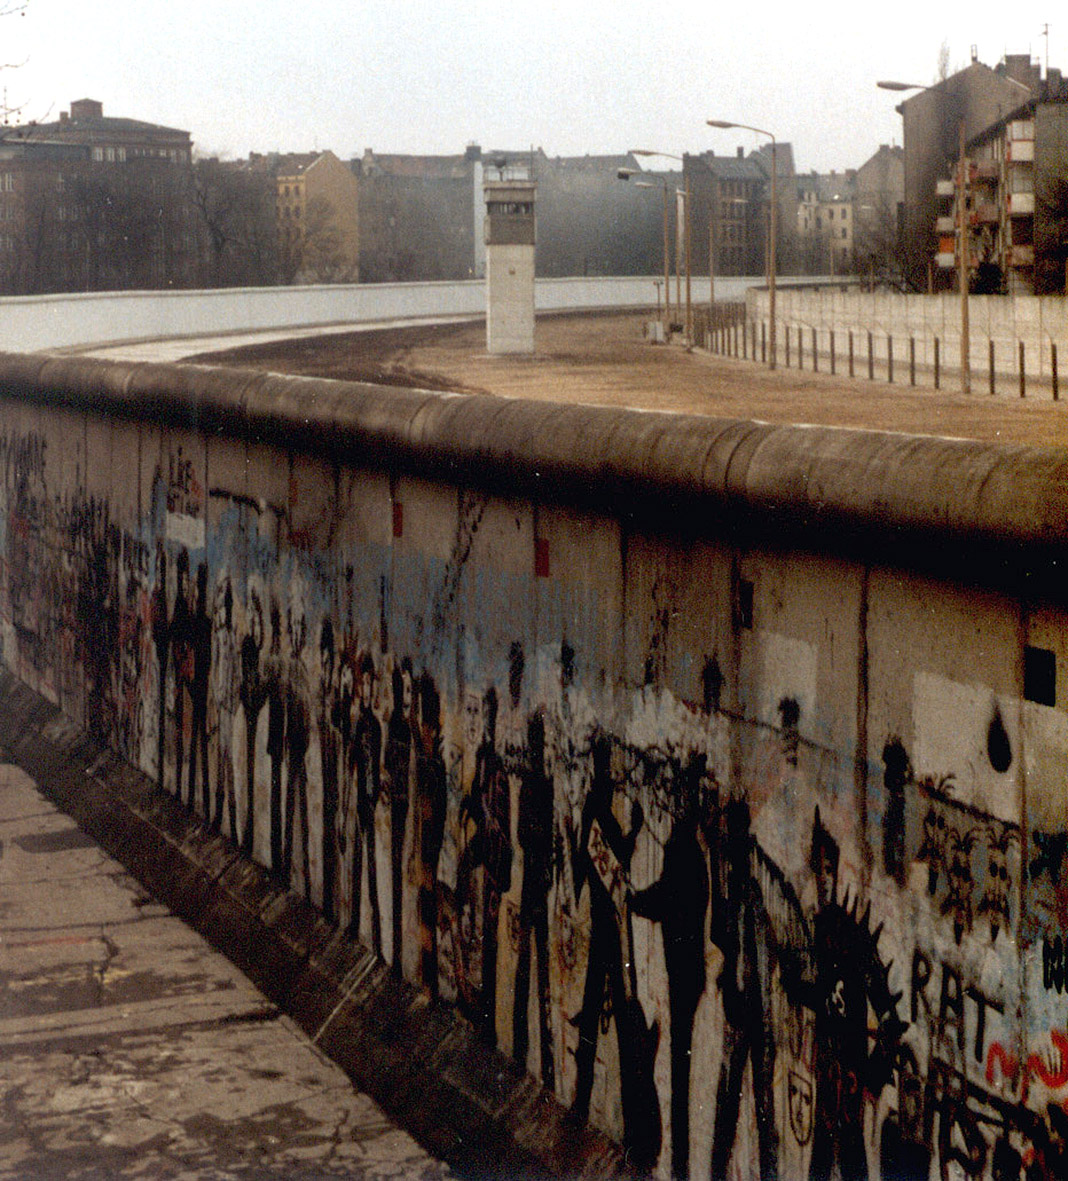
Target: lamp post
[
  {"x": 684, "y": 193},
  {"x": 962, "y": 237},
  {"x": 626, "y": 174},
  {"x": 773, "y": 227}
]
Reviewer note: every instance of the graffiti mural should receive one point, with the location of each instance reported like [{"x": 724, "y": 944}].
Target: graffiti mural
[{"x": 664, "y": 894}]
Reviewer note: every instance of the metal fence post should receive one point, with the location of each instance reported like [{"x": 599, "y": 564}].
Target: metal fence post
[
  {"x": 832, "y": 351},
  {"x": 815, "y": 352},
  {"x": 1053, "y": 368},
  {"x": 912, "y": 360},
  {"x": 1023, "y": 380},
  {"x": 990, "y": 349},
  {"x": 936, "y": 360},
  {"x": 890, "y": 359},
  {"x": 871, "y": 358}
]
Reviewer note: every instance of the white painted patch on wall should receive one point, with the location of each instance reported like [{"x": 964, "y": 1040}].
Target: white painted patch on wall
[
  {"x": 789, "y": 670},
  {"x": 956, "y": 734},
  {"x": 186, "y": 530}
]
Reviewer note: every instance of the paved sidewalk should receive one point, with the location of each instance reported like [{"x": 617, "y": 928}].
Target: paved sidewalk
[{"x": 131, "y": 1049}]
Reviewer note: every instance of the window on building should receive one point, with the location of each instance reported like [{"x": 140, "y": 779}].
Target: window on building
[
  {"x": 98, "y": 154},
  {"x": 9, "y": 183}
]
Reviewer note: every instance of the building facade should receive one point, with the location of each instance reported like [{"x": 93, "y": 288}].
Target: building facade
[
  {"x": 935, "y": 120},
  {"x": 93, "y": 202},
  {"x": 318, "y": 219},
  {"x": 1015, "y": 200},
  {"x": 825, "y": 222}
]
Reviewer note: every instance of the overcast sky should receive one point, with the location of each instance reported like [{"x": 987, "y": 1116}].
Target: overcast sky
[{"x": 569, "y": 76}]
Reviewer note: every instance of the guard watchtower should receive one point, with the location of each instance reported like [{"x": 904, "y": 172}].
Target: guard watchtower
[{"x": 510, "y": 238}]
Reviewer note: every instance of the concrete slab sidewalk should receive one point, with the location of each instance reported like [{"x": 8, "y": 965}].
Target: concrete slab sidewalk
[{"x": 131, "y": 1049}]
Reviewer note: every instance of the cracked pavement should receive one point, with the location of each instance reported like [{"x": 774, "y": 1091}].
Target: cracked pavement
[{"x": 132, "y": 1049}]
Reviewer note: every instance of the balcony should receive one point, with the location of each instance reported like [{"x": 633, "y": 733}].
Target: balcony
[
  {"x": 944, "y": 188},
  {"x": 985, "y": 213},
  {"x": 1021, "y": 204},
  {"x": 947, "y": 261},
  {"x": 1020, "y": 151},
  {"x": 1021, "y": 256},
  {"x": 986, "y": 170}
]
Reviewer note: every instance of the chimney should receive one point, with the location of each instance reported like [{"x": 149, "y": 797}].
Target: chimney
[
  {"x": 64, "y": 116},
  {"x": 87, "y": 108},
  {"x": 741, "y": 153}
]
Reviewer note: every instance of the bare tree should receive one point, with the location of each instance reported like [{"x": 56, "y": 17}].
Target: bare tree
[
  {"x": 235, "y": 211},
  {"x": 324, "y": 259}
]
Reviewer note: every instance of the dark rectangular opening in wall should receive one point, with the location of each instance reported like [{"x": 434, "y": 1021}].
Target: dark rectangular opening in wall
[
  {"x": 1040, "y": 675},
  {"x": 745, "y": 603}
]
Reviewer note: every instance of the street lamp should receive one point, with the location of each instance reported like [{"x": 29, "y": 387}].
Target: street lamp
[
  {"x": 626, "y": 174},
  {"x": 685, "y": 195},
  {"x": 962, "y": 232},
  {"x": 725, "y": 125}
]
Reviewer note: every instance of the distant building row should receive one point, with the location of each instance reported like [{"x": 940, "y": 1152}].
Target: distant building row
[{"x": 91, "y": 202}]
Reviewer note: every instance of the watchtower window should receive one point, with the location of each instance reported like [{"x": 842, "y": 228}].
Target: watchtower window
[{"x": 513, "y": 207}]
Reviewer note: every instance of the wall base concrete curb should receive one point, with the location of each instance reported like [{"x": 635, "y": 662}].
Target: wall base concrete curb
[{"x": 464, "y": 1102}]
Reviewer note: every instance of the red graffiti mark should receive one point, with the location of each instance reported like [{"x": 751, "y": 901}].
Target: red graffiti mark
[
  {"x": 1008, "y": 1063},
  {"x": 1053, "y": 1077}
]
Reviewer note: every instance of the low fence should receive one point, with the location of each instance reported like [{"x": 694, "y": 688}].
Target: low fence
[
  {"x": 704, "y": 765},
  {"x": 1017, "y": 344}
]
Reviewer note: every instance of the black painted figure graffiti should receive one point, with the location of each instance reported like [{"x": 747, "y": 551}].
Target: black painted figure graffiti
[
  {"x": 958, "y": 900},
  {"x": 161, "y": 639},
  {"x": 182, "y": 658},
  {"x": 897, "y": 775},
  {"x": 367, "y": 764},
  {"x": 678, "y": 901},
  {"x": 535, "y": 835},
  {"x": 850, "y": 979},
  {"x": 933, "y": 848},
  {"x": 274, "y": 685},
  {"x": 225, "y": 697},
  {"x": 253, "y": 696},
  {"x": 398, "y": 775},
  {"x": 429, "y": 805},
  {"x": 298, "y": 739},
  {"x": 790, "y": 713},
  {"x": 329, "y": 746},
  {"x": 200, "y": 681},
  {"x": 489, "y": 806},
  {"x": 742, "y": 929},
  {"x": 601, "y": 860}
]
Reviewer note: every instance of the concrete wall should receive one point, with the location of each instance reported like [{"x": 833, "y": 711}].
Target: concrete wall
[
  {"x": 64, "y": 321},
  {"x": 1036, "y": 321},
  {"x": 714, "y": 769}
]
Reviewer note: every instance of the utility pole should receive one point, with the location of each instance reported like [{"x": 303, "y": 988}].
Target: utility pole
[{"x": 962, "y": 274}]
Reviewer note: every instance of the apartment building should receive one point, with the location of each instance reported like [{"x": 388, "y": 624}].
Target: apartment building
[
  {"x": 730, "y": 198},
  {"x": 825, "y": 222},
  {"x": 1015, "y": 200},
  {"x": 318, "y": 219},
  {"x": 95, "y": 202}
]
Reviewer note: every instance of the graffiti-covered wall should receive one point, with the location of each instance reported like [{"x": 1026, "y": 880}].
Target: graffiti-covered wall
[{"x": 714, "y": 770}]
